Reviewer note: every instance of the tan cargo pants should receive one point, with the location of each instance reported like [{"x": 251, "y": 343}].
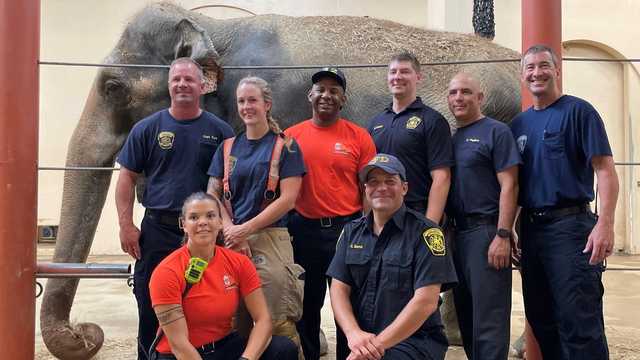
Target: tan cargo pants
[{"x": 282, "y": 285}]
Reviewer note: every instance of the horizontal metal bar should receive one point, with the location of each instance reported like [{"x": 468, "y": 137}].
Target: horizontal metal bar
[
  {"x": 90, "y": 168},
  {"x": 78, "y": 168},
  {"x": 82, "y": 270},
  {"x": 306, "y": 67},
  {"x": 83, "y": 276}
]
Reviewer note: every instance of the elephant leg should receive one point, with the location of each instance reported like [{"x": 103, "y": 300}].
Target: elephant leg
[
  {"x": 93, "y": 143},
  {"x": 449, "y": 319},
  {"x": 83, "y": 340}
]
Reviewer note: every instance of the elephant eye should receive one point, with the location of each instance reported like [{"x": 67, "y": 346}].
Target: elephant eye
[{"x": 114, "y": 89}]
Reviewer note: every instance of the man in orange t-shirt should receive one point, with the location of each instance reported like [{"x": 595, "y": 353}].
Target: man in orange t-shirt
[{"x": 334, "y": 151}]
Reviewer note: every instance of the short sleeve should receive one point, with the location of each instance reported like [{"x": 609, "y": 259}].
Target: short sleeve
[
  {"x": 505, "y": 152},
  {"x": 249, "y": 279},
  {"x": 216, "y": 169},
  {"x": 292, "y": 162},
  {"x": 439, "y": 145},
  {"x": 367, "y": 150},
  {"x": 165, "y": 286},
  {"x": 338, "y": 267},
  {"x": 134, "y": 152},
  {"x": 593, "y": 135},
  {"x": 226, "y": 130},
  {"x": 433, "y": 266}
]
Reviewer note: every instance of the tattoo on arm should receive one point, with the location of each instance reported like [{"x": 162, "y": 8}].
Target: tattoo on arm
[
  {"x": 170, "y": 315},
  {"x": 214, "y": 187}
]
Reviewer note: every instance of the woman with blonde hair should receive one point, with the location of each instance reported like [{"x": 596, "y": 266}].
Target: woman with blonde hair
[{"x": 257, "y": 175}]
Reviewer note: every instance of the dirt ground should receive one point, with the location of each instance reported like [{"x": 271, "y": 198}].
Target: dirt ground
[{"x": 110, "y": 303}]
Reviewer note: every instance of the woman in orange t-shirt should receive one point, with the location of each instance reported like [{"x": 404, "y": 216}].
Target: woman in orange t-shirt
[{"x": 195, "y": 321}]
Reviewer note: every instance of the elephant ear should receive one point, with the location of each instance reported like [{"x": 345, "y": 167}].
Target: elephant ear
[{"x": 193, "y": 41}]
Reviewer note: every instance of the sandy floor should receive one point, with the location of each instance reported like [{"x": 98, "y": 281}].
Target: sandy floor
[{"x": 110, "y": 303}]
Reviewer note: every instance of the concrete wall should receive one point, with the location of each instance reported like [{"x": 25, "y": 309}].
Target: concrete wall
[{"x": 85, "y": 31}]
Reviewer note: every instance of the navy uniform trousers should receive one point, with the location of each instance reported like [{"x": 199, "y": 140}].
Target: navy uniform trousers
[
  {"x": 562, "y": 292},
  {"x": 483, "y": 295},
  {"x": 159, "y": 237},
  {"x": 314, "y": 244}
]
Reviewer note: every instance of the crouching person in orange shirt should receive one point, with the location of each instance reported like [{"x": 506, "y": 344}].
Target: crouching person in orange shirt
[{"x": 196, "y": 290}]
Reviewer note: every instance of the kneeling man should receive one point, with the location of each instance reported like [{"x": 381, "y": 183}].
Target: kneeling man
[{"x": 388, "y": 271}]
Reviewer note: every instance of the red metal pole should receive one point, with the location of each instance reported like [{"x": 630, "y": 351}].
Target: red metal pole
[
  {"x": 19, "y": 51},
  {"x": 541, "y": 24}
]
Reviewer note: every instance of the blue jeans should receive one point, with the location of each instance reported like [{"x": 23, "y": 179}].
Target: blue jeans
[{"x": 562, "y": 292}]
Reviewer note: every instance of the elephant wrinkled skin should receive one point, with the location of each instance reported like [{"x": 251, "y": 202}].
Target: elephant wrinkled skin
[{"x": 162, "y": 32}]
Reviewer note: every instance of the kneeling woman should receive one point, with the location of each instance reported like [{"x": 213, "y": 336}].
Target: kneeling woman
[
  {"x": 258, "y": 175},
  {"x": 195, "y": 303}
]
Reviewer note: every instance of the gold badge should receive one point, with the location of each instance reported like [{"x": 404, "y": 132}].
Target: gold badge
[
  {"x": 413, "y": 122},
  {"x": 435, "y": 241},
  {"x": 165, "y": 140}
]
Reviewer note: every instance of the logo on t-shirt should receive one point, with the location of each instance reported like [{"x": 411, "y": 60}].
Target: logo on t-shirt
[
  {"x": 165, "y": 140},
  {"x": 413, "y": 122},
  {"x": 338, "y": 148},
  {"x": 522, "y": 142},
  {"x": 229, "y": 282}
]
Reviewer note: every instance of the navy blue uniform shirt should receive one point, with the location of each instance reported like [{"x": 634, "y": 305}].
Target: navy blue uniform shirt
[
  {"x": 250, "y": 161},
  {"x": 481, "y": 150},
  {"x": 420, "y": 138},
  {"x": 557, "y": 144},
  {"x": 173, "y": 156},
  {"x": 384, "y": 271}
]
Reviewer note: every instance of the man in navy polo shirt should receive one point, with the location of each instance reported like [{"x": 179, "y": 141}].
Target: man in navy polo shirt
[
  {"x": 482, "y": 207},
  {"x": 562, "y": 140},
  {"x": 172, "y": 149},
  {"x": 417, "y": 135},
  {"x": 388, "y": 271}
]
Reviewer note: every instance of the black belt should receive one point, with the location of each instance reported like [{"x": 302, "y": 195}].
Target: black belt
[
  {"x": 165, "y": 217},
  {"x": 331, "y": 221},
  {"x": 471, "y": 221},
  {"x": 202, "y": 350},
  {"x": 545, "y": 215}
]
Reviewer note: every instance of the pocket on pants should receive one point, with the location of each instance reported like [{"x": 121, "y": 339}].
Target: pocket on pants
[{"x": 294, "y": 294}]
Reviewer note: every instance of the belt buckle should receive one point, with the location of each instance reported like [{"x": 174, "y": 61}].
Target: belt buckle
[
  {"x": 207, "y": 348},
  {"x": 325, "y": 222}
]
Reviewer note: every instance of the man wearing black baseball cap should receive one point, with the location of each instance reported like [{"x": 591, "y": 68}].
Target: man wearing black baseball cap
[
  {"x": 393, "y": 261},
  {"x": 335, "y": 149}
]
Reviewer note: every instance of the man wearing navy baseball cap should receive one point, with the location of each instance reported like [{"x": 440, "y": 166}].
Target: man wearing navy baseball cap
[
  {"x": 335, "y": 149},
  {"x": 392, "y": 261}
]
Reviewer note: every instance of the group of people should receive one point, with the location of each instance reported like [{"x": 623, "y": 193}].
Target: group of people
[{"x": 243, "y": 234}]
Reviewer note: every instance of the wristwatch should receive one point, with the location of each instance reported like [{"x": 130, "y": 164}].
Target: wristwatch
[
  {"x": 242, "y": 358},
  {"x": 504, "y": 233}
]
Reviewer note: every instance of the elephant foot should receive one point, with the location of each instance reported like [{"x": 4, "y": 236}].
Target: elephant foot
[
  {"x": 78, "y": 342},
  {"x": 517, "y": 348},
  {"x": 324, "y": 346}
]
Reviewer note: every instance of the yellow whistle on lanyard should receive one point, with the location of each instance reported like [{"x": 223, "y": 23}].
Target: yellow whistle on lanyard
[{"x": 195, "y": 269}]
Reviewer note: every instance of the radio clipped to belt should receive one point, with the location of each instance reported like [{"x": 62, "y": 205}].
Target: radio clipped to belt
[
  {"x": 193, "y": 275},
  {"x": 272, "y": 179}
]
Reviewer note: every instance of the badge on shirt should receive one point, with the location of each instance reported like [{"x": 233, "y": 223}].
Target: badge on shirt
[
  {"x": 229, "y": 282},
  {"x": 522, "y": 142},
  {"x": 165, "y": 140},
  {"x": 232, "y": 164},
  {"x": 413, "y": 122},
  {"x": 435, "y": 241}
]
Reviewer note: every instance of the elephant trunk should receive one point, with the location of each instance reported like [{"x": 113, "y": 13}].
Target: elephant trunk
[{"x": 83, "y": 197}]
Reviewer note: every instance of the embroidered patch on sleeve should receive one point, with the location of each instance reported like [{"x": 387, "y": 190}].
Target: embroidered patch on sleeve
[{"x": 435, "y": 241}]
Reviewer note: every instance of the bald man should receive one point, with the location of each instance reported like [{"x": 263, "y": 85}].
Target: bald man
[{"x": 482, "y": 206}]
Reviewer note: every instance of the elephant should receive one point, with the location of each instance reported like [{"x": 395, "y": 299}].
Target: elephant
[{"x": 160, "y": 33}]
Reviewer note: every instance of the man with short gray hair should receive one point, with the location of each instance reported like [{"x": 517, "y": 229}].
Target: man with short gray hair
[{"x": 172, "y": 149}]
